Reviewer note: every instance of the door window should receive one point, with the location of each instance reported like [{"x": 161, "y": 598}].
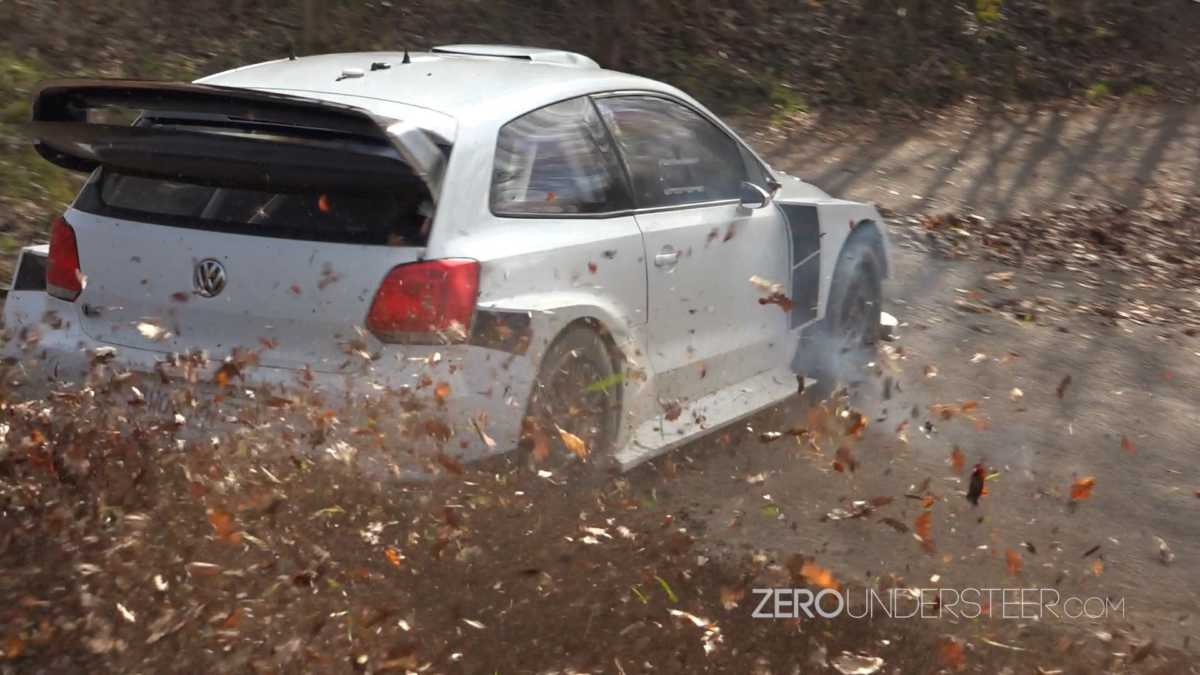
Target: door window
[
  {"x": 675, "y": 155},
  {"x": 557, "y": 160}
]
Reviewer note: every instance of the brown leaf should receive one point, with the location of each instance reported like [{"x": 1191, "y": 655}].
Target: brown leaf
[
  {"x": 441, "y": 392},
  {"x": 1097, "y": 567},
  {"x": 844, "y": 459},
  {"x": 1013, "y": 562},
  {"x": 1062, "y": 386},
  {"x": 1082, "y": 488},
  {"x": 592, "y": 267},
  {"x": 895, "y": 524},
  {"x": 785, "y": 303},
  {"x": 672, "y": 410},
  {"x": 541, "y": 442},
  {"x": 857, "y": 424},
  {"x": 450, "y": 464},
  {"x": 976, "y": 488},
  {"x": 732, "y": 596}
]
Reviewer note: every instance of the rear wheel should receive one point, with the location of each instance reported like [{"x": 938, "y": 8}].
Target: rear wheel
[
  {"x": 848, "y": 337},
  {"x": 578, "y": 391}
]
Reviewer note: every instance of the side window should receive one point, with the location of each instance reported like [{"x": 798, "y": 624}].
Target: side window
[
  {"x": 557, "y": 160},
  {"x": 675, "y": 156}
]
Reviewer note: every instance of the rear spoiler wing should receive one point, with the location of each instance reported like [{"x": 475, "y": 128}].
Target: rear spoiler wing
[{"x": 229, "y": 136}]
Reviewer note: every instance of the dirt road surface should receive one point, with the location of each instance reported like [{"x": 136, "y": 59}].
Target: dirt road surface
[{"x": 1127, "y": 417}]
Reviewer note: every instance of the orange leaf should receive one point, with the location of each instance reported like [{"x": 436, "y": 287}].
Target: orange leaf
[
  {"x": 950, "y": 653},
  {"x": 818, "y": 576},
  {"x": 957, "y": 459},
  {"x": 13, "y": 647},
  {"x": 857, "y": 426},
  {"x": 441, "y": 392},
  {"x": 924, "y": 526},
  {"x": 1082, "y": 488},
  {"x": 1127, "y": 445},
  {"x": 1097, "y": 567},
  {"x": 393, "y": 556},
  {"x": 1013, "y": 562},
  {"x": 234, "y": 618},
  {"x": 574, "y": 443},
  {"x": 222, "y": 524}
]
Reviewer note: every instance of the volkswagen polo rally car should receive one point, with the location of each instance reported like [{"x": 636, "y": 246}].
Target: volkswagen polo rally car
[{"x": 539, "y": 244}]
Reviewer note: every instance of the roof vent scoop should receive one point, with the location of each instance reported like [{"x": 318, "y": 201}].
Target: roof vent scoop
[{"x": 531, "y": 54}]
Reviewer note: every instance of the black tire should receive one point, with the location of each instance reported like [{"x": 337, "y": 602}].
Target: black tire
[
  {"x": 577, "y": 389},
  {"x": 848, "y": 337}
]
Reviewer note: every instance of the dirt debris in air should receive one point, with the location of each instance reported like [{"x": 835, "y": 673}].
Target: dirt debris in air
[{"x": 283, "y": 542}]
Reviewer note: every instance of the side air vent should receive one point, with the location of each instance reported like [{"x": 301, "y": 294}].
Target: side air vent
[{"x": 531, "y": 54}]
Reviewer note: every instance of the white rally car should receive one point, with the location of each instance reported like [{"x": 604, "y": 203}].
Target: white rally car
[{"x": 532, "y": 242}]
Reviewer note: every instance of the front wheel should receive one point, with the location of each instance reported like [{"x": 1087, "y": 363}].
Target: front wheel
[{"x": 847, "y": 339}]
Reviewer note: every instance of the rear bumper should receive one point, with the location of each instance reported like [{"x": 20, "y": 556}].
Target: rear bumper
[{"x": 444, "y": 396}]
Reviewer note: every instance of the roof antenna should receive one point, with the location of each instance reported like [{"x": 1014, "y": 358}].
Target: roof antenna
[{"x": 406, "y": 59}]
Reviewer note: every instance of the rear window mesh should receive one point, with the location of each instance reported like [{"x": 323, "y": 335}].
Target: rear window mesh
[{"x": 397, "y": 217}]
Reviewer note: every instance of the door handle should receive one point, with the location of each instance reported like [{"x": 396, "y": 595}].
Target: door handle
[{"x": 667, "y": 257}]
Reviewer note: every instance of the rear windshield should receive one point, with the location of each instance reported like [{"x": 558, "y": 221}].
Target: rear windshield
[{"x": 397, "y": 217}]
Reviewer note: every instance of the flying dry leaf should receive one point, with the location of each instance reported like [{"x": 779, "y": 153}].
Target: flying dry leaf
[
  {"x": 819, "y": 576},
  {"x": 223, "y": 527},
  {"x": 1082, "y": 488},
  {"x": 976, "y": 489},
  {"x": 844, "y": 460},
  {"x": 1013, "y": 562},
  {"x": 393, "y": 556},
  {"x": 1127, "y": 445},
  {"x": 1097, "y": 567},
  {"x": 450, "y": 464},
  {"x": 574, "y": 443},
  {"x": 950, "y": 653},
  {"x": 957, "y": 459},
  {"x": 731, "y": 596},
  {"x": 1062, "y": 386},
  {"x": 441, "y": 392},
  {"x": 924, "y": 526}
]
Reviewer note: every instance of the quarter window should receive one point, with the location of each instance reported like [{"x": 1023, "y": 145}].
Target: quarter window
[
  {"x": 675, "y": 156},
  {"x": 557, "y": 160}
]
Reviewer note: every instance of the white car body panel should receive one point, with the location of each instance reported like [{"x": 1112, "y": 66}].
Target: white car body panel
[{"x": 693, "y": 333}]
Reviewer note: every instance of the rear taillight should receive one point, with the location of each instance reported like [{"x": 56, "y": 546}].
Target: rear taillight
[
  {"x": 64, "y": 279},
  {"x": 428, "y": 302}
]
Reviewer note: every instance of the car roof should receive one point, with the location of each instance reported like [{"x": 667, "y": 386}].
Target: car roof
[{"x": 466, "y": 86}]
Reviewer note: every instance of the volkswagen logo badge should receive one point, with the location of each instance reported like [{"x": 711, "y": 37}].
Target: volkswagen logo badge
[{"x": 209, "y": 277}]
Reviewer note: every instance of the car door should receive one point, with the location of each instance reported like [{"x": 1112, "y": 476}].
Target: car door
[{"x": 707, "y": 328}]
